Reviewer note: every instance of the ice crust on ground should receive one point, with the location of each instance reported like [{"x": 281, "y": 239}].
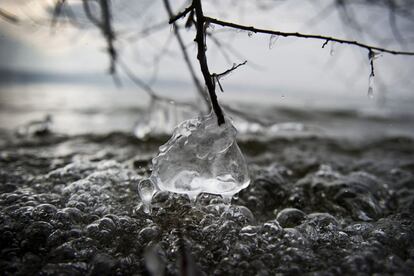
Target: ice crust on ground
[{"x": 200, "y": 157}]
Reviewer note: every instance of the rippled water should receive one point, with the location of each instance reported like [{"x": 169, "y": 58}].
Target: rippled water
[{"x": 69, "y": 205}]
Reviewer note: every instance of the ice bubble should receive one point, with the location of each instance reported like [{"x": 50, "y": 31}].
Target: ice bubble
[
  {"x": 146, "y": 190},
  {"x": 200, "y": 157}
]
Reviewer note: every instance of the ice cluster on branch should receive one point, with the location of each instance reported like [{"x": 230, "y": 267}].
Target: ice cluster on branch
[{"x": 200, "y": 157}]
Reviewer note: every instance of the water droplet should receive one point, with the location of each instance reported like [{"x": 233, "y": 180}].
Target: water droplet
[
  {"x": 146, "y": 190},
  {"x": 250, "y": 34},
  {"x": 332, "y": 51},
  {"x": 272, "y": 40}
]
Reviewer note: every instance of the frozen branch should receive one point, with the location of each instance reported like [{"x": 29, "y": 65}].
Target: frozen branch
[
  {"x": 326, "y": 39},
  {"x": 228, "y": 71},
  {"x": 201, "y": 56},
  {"x": 217, "y": 77}
]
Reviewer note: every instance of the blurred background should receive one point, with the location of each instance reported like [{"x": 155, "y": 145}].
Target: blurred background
[{"x": 57, "y": 64}]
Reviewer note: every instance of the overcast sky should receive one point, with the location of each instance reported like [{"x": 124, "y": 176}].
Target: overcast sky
[{"x": 290, "y": 69}]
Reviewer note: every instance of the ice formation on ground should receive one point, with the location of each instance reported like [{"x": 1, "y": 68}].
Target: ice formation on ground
[{"x": 200, "y": 157}]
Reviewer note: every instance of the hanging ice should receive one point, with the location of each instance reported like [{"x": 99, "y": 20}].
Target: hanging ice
[{"x": 201, "y": 157}]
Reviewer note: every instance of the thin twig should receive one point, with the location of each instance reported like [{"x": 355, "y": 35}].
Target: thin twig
[
  {"x": 108, "y": 33},
  {"x": 136, "y": 80},
  {"x": 179, "y": 15},
  {"x": 217, "y": 77},
  {"x": 89, "y": 14},
  {"x": 310, "y": 36},
  {"x": 9, "y": 17},
  {"x": 180, "y": 41},
  {"x": 228, "y": 71}
]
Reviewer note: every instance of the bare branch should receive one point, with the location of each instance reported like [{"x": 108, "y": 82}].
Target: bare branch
[
  {"x": 180, "y": 14},
  {"x": 89, "y": 14},
  {"x": 308, "y": 36},
  {"x": 136, "y": 80},
  {"x": 57, "y": 11},
  {"x": 108, "y": 33},
  {"x": 228, "y": 71},
  {"x": 105, "y": 25},
  {"x": 180, "y": 41},
  {"x": 201, "y": 56},
  {"x": 217, "y": 77},
  {"x": 9, "y": 17}
]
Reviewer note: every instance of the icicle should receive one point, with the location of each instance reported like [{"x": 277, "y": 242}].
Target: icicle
[
  {"x": 371, "y": 86},
  {"x": 272, "y": 40},
  {"x": 371, "y": 57},
  {"x": 332, "y": 51}
]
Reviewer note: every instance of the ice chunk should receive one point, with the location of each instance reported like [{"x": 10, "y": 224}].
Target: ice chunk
[{"x": 201, "y": 157}]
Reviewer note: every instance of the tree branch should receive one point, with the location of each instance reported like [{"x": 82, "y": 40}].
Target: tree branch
[
  {"x": 310, "y": 36},
  {"x": 180, "y": 41},
  {"x": 109, "y": 34},
  {"x": 228, "y": 71},
  {"x": 9, "y": 16},
  {"x": 217, "y": 77},
  {"x": 89, "y": 14},
  {"x": 201, "y": 56},
  {"x": 180, "y": 14}
]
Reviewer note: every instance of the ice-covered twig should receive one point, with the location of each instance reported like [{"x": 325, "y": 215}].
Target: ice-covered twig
[
  {"x": 217, "y": 77},
  {"x": 228, "y": 71},
  {"x": 307, "y": 36}
]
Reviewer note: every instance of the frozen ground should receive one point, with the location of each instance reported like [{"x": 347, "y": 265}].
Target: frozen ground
[{"x": 319, "y": 205}]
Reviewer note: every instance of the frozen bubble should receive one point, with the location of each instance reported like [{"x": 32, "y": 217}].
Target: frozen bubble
[
  {"x": 201, "y": 157},
  {"x": 271, "y": 228},
  {"x": 44, "y": 212},
  {"x": 249, "y": 231},
  {"x": 146, "y": 190},
  {"x": 290, "y": 217},
  {"x": 149, "y": 233}
]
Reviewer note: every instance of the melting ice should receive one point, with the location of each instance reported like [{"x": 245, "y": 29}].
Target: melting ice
[{"x": 200, "y": 157}]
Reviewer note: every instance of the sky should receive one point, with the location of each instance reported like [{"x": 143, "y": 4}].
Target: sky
[{"x": 281, "y": 71}]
